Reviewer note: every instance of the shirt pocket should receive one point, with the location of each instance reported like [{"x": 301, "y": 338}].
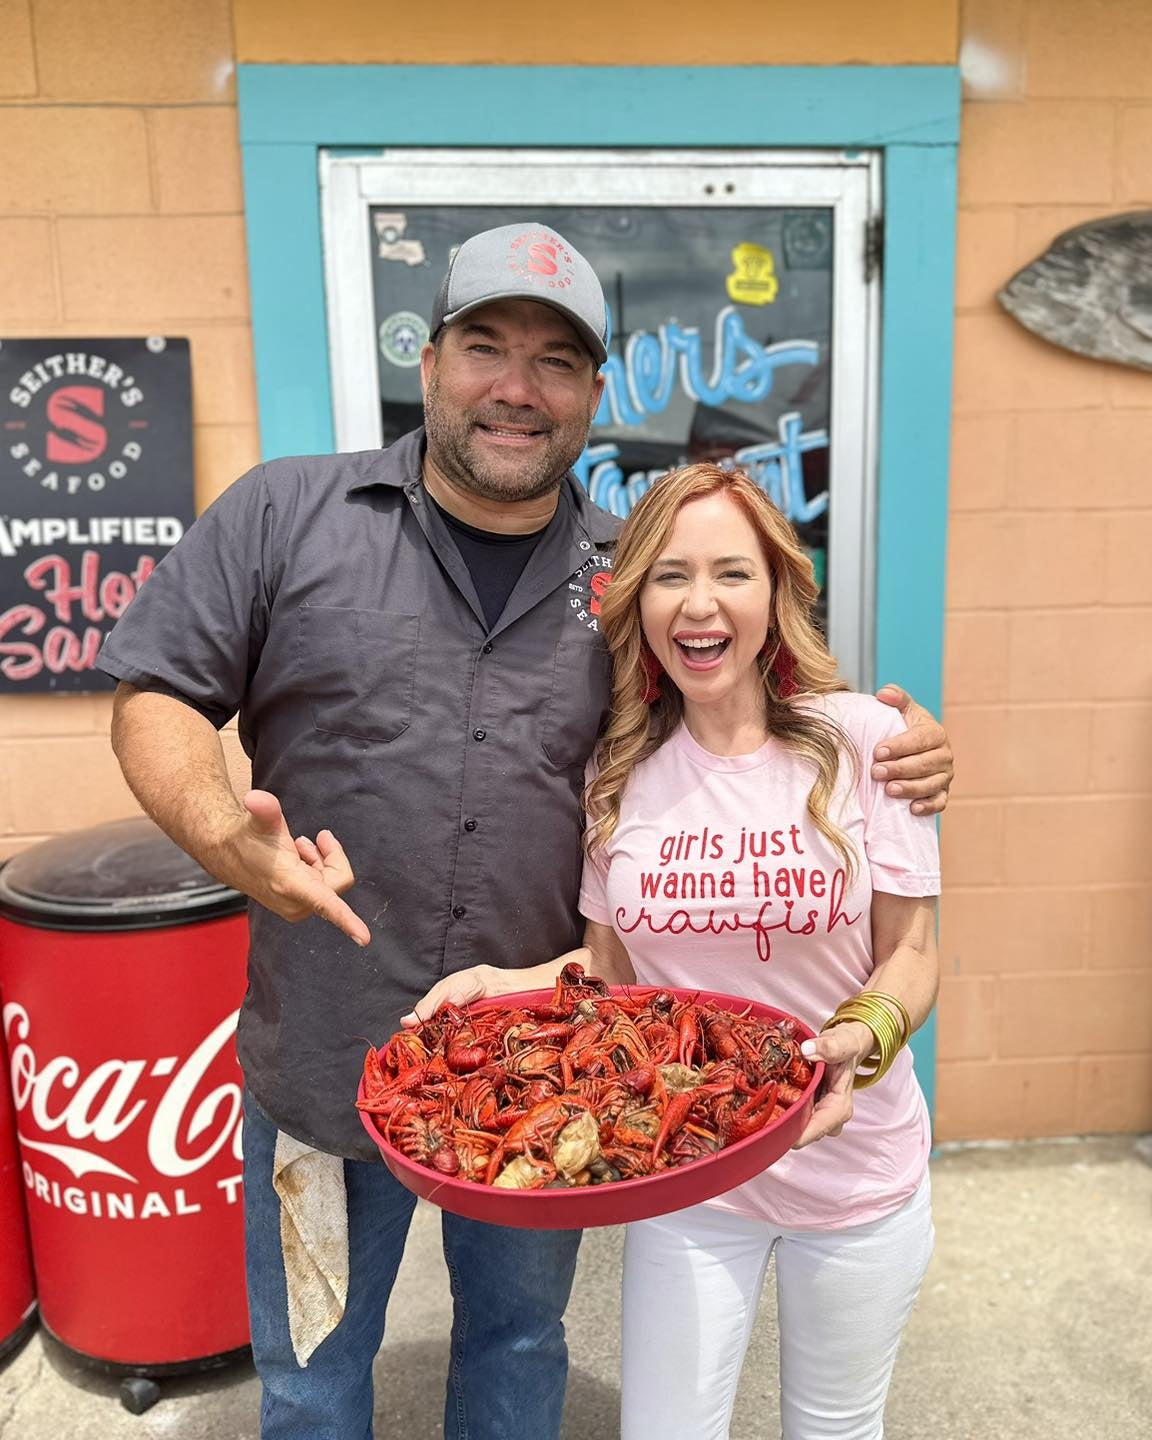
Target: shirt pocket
[
  {"x": 578, "y": 702},
  {"x": 359, "y": 667}
]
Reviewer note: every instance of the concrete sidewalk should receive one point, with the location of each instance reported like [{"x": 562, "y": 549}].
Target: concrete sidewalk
[{"x": 1035, "y": 1322}]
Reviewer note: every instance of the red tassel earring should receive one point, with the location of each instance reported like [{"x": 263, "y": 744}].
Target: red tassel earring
[
  {"x": 652, "y": 673},
  {"x": 782, "y": 664},
  {"x": 784, "y": 667}
]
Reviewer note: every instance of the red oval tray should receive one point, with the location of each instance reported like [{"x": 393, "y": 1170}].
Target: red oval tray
[{"x": 622, "y": 1200}]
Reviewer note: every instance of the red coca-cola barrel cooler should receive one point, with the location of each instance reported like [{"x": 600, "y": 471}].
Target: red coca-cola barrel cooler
[
  {"x": 17, "y": 1288},
  {"x": 122, "y": 967}
]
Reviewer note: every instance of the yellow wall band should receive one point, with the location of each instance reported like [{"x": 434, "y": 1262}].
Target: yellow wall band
[{"x": 597, "y": 32}]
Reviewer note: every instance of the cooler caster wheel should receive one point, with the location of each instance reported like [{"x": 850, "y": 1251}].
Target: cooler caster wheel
[{"x": 137, "y": 1394}]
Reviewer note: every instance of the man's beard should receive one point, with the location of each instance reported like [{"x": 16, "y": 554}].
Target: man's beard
[{"x": 455, "y": 450}]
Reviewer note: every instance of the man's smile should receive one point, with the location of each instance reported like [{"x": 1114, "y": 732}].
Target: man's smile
[{"x": 510, "y": 434}]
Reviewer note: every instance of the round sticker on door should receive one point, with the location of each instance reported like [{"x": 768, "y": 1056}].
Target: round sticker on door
[{"x": 402, "y": 337}]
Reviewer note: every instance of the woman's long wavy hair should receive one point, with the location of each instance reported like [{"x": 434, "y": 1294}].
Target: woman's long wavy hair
[{"x": 636, "y": 728}]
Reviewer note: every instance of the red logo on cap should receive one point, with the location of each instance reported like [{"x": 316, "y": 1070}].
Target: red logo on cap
[
  {"x": 542, "y": 258},
  {"x": 538, "y": 255}
]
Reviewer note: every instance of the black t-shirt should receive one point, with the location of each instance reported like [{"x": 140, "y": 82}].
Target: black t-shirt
[{"x": 495, "y": 561}]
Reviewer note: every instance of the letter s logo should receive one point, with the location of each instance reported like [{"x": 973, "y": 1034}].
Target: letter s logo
[
  {"x": 542, "y": 258},
  {"x": 75, "y": 433}
]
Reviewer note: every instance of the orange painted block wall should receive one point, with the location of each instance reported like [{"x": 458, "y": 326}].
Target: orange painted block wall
[
  {"x": 121, "y": 213},
  {"x": 1045, "y": 1013}
]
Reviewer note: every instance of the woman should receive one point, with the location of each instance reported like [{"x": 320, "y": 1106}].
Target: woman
[{"x": 736, "y": 843}]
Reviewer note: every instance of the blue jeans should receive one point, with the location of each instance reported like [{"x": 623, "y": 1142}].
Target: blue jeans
[{"x": 509, "y": 1359}]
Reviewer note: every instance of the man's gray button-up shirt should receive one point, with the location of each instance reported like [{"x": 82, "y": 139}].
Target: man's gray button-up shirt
[{"x": 323, "y": 601}]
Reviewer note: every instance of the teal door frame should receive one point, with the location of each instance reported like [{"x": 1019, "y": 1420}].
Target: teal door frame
[{"x": 288, "y": 113}]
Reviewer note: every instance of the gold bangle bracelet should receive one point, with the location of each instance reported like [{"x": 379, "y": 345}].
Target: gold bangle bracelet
[
  {"x": 896, "y": 1005},
  {"x": 865, "y": 1003},
  {"x": 884, "y": 1026},
  {"x": 870, "y": 1009}
]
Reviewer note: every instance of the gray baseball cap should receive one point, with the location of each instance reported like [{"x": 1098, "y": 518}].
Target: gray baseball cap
[{"x": 525, "y": 262}]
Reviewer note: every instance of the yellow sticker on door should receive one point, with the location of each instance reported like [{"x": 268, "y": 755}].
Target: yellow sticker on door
[{"x": 753, "y": 281}]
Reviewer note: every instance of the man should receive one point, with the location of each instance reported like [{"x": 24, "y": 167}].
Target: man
[{"x": 408, "y": 637}]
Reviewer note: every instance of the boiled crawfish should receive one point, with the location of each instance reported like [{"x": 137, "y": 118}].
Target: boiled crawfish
[{"x": 589, "y": 1088}]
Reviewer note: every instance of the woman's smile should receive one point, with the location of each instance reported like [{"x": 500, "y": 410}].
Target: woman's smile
[
  {"x": 706, "y": 604},
  {"x": 702, "y": 651}
]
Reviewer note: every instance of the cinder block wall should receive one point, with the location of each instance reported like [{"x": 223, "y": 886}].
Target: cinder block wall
[
  {"x": 1046, "y": 1008},
  {"x": 120, "y": 214}
]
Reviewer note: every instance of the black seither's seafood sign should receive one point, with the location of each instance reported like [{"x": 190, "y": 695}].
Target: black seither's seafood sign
[{"x": 95, "y": 488}]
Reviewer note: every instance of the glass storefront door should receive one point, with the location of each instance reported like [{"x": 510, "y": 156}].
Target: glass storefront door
[{"x": 743, "y": 310}]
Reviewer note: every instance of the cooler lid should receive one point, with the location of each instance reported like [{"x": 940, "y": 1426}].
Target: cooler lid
[{"x": 124, "y": 875}]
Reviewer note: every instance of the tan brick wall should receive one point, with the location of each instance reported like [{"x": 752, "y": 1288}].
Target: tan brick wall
[
  {"x": 120, "y": 214},
  {"x": 1046, "y": 1008}
]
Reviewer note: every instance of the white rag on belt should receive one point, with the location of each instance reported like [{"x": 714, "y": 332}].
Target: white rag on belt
[{"x": 314, "y": 1240}]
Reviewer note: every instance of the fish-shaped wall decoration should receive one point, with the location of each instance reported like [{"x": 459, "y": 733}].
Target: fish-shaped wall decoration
[{"x": 1091, "y": 290}]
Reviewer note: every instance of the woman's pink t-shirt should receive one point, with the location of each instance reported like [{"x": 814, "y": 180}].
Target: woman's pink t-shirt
[{"x": 717, "y": 878}]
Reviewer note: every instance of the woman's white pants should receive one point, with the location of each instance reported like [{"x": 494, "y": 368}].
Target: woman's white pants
[{"x": 692, "y": 1283}]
